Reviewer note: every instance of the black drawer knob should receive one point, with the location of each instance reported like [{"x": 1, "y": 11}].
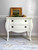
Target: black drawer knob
[
  {"x": 12, "y": 20},
  {"x": 25, "y": 26},
  {"x": 25, "y": 20},
  {"x": 12, "y": 26}
]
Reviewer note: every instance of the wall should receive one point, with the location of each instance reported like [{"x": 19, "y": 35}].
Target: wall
[{"x": 29, "y": 7}]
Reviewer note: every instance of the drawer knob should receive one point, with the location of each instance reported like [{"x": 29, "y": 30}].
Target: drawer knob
[
  {"x": 12, "y": 26},
  {"x": 12, "y": 20},
  {"x": 25, "y": 20},
  {"x": 25, "y": 26}
]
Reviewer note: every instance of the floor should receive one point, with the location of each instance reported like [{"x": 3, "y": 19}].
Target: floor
[{"x": 18, "y": 43}]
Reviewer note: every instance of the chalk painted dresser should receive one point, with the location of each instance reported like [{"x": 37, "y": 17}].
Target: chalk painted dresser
[{"x": 19, "y": 25}]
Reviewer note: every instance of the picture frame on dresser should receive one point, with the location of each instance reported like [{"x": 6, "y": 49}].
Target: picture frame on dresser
[{"x": 15, "y": 11}]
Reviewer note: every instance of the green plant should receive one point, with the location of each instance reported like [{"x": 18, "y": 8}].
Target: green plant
[{"x": 16, "y": 15}]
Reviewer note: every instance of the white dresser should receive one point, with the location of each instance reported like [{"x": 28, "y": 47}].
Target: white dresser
[{"x": 19, "y": 25}]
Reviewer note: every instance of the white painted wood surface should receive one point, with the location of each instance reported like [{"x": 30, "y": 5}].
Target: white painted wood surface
[{"x": 19, "y": 25}]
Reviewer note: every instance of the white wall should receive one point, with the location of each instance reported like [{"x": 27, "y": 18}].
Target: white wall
[{"x": 29, "y": 7}]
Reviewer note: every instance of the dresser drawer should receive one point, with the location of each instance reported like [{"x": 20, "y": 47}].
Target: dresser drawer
[
  {"x": 19, "y": 30},
  {"x": 19, "y": 27},
  {"x": 18, "y": 21}
]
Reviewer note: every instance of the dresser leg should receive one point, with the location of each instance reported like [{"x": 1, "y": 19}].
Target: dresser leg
[
  {"x": 26, "y": 34},
  {"x": 7, "y": 36},
  {"x": 30, "y": 36}
]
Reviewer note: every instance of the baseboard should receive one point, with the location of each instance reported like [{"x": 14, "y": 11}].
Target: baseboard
[
  {"x": 16, "y": 36},
  {"x": 12, "y": 35}
]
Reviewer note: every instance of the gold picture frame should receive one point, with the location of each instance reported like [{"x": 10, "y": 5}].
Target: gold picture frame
[{"x": 16, "y": 11}]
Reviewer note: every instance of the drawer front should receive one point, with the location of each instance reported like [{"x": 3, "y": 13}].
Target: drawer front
[
  {"x": 18, "y": 21},
  {"x": 19, "y": 28}
]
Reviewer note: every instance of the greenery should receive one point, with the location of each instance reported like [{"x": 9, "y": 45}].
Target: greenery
[{"x": 17, "y": 15}]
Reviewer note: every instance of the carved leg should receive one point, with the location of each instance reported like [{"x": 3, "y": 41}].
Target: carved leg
[
  {"x": 30, "y": 36},
  {"x": 7, "y": 36},
  {"x": 26, "y": 34}
]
